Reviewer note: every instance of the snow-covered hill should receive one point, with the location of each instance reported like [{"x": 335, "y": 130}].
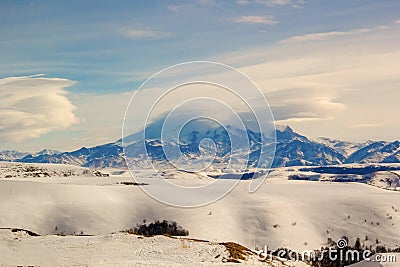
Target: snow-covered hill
[
  {"x": 284, "y": 212},
  {"x": 121, "y": 249},
  {"x": 385, "y": 176},
  {"x": 11, "y": 170}
]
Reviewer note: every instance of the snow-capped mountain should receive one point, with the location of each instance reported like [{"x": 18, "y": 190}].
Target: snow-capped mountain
[
  {"x": 346, "y": 148},
  {"x": 200, "y": 139},
  {"x": 108, "y": 155},
  {"x": 12, "y": 155},
  {"x": 294, "y": 149},
  {"x": 367, "y": 152},
  {"x": 381, "y": 151}
]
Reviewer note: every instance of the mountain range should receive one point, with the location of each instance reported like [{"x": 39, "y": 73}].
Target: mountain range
[{"x": 292, "y": 149}]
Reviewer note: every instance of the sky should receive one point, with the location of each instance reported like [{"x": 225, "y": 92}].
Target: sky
[{"x": 69, "y": 68}]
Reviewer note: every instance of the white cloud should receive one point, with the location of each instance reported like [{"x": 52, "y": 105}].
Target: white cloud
[
  {"x": 31, "y": 106},
  {"x": 173, "y": 8},
  {"x": 321, "y": 88},
  {"x": 145, "y": 34},
  {"x": 366, "y": 125},
  {"x": 267, "y": 20},
  {"x": 303, "y": 104},
  {"x": 397, "y": 21},
  {"x": 324, "y": 88},
  {"x": 293, "y": 3},
  {"x": 100, "y": 122},
  {"x": 323, "y": 35},
  {"x": 338, "y": 87},
  {"x": 274, "y": 2},
  {"x": 207, "y": 2},
  {"x": 242, "y": 2}
]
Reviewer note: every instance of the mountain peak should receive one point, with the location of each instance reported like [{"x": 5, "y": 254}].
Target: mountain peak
[{"x": 284, "y": 128}]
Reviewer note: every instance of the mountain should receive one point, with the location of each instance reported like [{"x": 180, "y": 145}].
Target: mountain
[
  {"x": 293, "y": 149},
  {"x": 11, "y": 155},
  {"x": 205, "y": 141},
  {"x": 47, "y": 152},
  {"x": 346, "y": 148},
  {"x": 381, "y": 151},
  {"x": 108, "y": 155}
]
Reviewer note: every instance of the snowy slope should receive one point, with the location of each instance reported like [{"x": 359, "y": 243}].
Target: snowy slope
[
  {"x": 295, "y": 214},
  {"x": 18, "y": 248},
  {"x": 106, "y": 250},
  {"x": 12, "y": 170},
  {"x": 282, "y": 213}
]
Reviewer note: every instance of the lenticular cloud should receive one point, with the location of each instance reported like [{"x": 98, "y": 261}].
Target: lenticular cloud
[{"x": 31, "y": 106}]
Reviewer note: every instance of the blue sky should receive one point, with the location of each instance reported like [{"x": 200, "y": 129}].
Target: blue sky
[{"x": 105, "y": 50}]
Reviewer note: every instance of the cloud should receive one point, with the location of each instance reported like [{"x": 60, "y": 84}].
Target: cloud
[
  {"x": 242, "y": 2},
  {"x": 207, "y": 2},
  {"x": 302, "y": 104},
  {"x": 322, "y": 35},
  {"x": 292, "y": 3},
  {"x": 267, "y": 20},
  {"x": 324, "y": 88},
  {"x": 397, "y": 21},
  {"x": 31, "y": 106},
  {"x": 145, "y": 34},
  {"x": 366, "y": 125},
  {"x": 274, "y": 2},
  {"x": 173, "y": 8}
]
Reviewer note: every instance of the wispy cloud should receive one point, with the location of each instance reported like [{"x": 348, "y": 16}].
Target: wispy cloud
[
  {"x": 321, "y": 35},
  {"x": 145, "y": 34},
  {"x": 173, "y": 8},
  {"x": 242, "y": 2},
  {"x": 207, "y": 2},
  {"x": 321, "y": 87},
  {"x": 366, "y": 125},
  {"x": 397, "y": 21},
  {"x": 303, "y": 104},
  {"x": 267, "y": 20},
  {"x": 31, "y": 106},
  {"x": 274, "y": 2},
  {"x": 293, "y": 3}
]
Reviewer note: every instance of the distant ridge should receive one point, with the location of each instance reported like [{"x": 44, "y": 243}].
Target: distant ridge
[{"x": 292, "y": 149}]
